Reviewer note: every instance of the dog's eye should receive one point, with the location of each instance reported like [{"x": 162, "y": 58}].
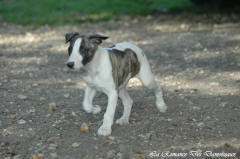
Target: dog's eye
[{"x": 70, "y": 50}]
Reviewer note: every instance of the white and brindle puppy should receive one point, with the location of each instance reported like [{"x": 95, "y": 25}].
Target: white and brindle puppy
[{"x": 108, "y": 70}]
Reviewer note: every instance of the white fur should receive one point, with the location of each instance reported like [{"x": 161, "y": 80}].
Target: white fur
[
  {"x": 76, "y": 56},
  {"x": 99, "y": 78},
  {"x": 127, "y": 103}
]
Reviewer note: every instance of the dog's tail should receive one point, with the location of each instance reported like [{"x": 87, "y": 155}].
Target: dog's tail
[{"x": 147, "y": 78}]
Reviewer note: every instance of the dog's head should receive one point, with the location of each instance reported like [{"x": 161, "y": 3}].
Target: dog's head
[{"x": 82, "y": 48}]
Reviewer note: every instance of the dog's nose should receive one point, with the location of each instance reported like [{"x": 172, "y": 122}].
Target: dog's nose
[{"x": 70, "y": 64}]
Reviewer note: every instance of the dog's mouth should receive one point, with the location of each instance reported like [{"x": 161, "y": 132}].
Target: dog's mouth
[{"x": 82, "y": 71}]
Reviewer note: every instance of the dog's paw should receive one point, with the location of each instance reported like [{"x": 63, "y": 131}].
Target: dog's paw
[
  {"x": 104, "y": 131},
  {"x": 93, "y": 109},
  {"x": 87, "y": 110},
  {"x": 96, "y": 109},
  {"x": 162, "y": 108},
  {"x": 122, "y": 121}
]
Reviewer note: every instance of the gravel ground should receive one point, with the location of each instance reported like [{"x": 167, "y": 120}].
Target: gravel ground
[{"x": 196, "y": 62}]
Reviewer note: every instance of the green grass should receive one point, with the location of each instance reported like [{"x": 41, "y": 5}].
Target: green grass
[{"x": 58, "y": 12}]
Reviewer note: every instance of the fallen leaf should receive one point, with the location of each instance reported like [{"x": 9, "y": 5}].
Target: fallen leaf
[
  {"x": 137, "y": 157},
  {"x": 84, "y": 128},
  {"x": 52, "y": 139},
  {"x": 36, "y": 157},
  {"x": 51, "y": 109},
  {"x": 52, "y": 106},
  {"x": 11, "y": 122}
]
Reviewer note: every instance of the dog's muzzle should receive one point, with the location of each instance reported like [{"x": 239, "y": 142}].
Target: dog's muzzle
[{"x": 70, "y": 65}]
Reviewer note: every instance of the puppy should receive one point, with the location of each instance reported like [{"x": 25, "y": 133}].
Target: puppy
[{"x": 108, "y": 70}]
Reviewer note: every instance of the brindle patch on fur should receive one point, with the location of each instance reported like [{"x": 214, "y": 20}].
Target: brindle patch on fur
[
  {"x": 87, "y": 50},
  {"x": 124, "y": 63}
]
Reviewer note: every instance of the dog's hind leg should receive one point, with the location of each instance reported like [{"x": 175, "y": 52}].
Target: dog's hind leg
[
  {"x": 87, "y": 101},
  {"x": 147, "y": 78},
  {"x": 127, "y": 103}
]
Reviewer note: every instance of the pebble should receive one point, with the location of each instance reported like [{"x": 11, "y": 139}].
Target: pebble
[
  {"x": 74, "y": 114},
  {"x": 42, "y": 98},
  {"x": 183, "y": 26},
  {"x": 137, "y": 157},
  {"x": 214, "y": 84},
  {"x": 31, "y": 111},
  {"x": 66, "y": 95},
  {"x": 201, "y": 124},
  {"x": 21, "y": 121},
  {"x": 53, "y": 155},
  {"x": 48, "y": 115},
  {"x": 36, "y": 157},
  {"x": 35, "y": 84},
  {"x": 111, "y": 137},
  {"x": 223, "y": 104},
  {"x": 111, "y": 154},
  {"x": 22, "y": 97},
  {"x": 119, "y": 155},
  {"x": 52, "y": 147},
  {"x": 52, "y": 104},
  {"x": 124, "y": 148},
  {"x": 17, "y": 157},
  {"x": 198, "y": 45},
  {"x": 74, "y": 145},
  {"x": 196, "y": 108},
  {"x": 189, "y": 102}
]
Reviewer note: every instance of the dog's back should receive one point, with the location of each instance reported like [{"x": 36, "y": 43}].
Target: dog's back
[{"x": 126, "y": 45}]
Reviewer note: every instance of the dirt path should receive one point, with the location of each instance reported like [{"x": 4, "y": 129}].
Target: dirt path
[{"x": 197, "y": 64}]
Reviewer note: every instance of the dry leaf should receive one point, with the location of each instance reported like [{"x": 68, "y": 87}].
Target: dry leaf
[
  {"x": 36, "y": 157},
  {"x": 84, "y": 128},
  {"x": 137, "y": 157},
  {"x": 52, "y": 139}
]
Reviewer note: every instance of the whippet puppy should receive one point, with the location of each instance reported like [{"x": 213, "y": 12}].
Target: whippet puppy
[{"x": 108, "y": 70}]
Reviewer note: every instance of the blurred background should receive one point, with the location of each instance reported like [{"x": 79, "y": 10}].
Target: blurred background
[{"x": 58, "y": 12}]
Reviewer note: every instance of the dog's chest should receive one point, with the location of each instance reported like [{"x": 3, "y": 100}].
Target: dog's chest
[{"x": 101, "y": 81}]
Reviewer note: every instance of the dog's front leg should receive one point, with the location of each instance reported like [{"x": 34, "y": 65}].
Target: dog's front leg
[
  {"x": 106, "y": 127},
  {"x": 87, "y": 101}
]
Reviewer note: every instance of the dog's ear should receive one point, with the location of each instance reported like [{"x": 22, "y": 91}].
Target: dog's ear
[
  {"x": 96, "y": 38},
  {"x": 70, "y": 36}
]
